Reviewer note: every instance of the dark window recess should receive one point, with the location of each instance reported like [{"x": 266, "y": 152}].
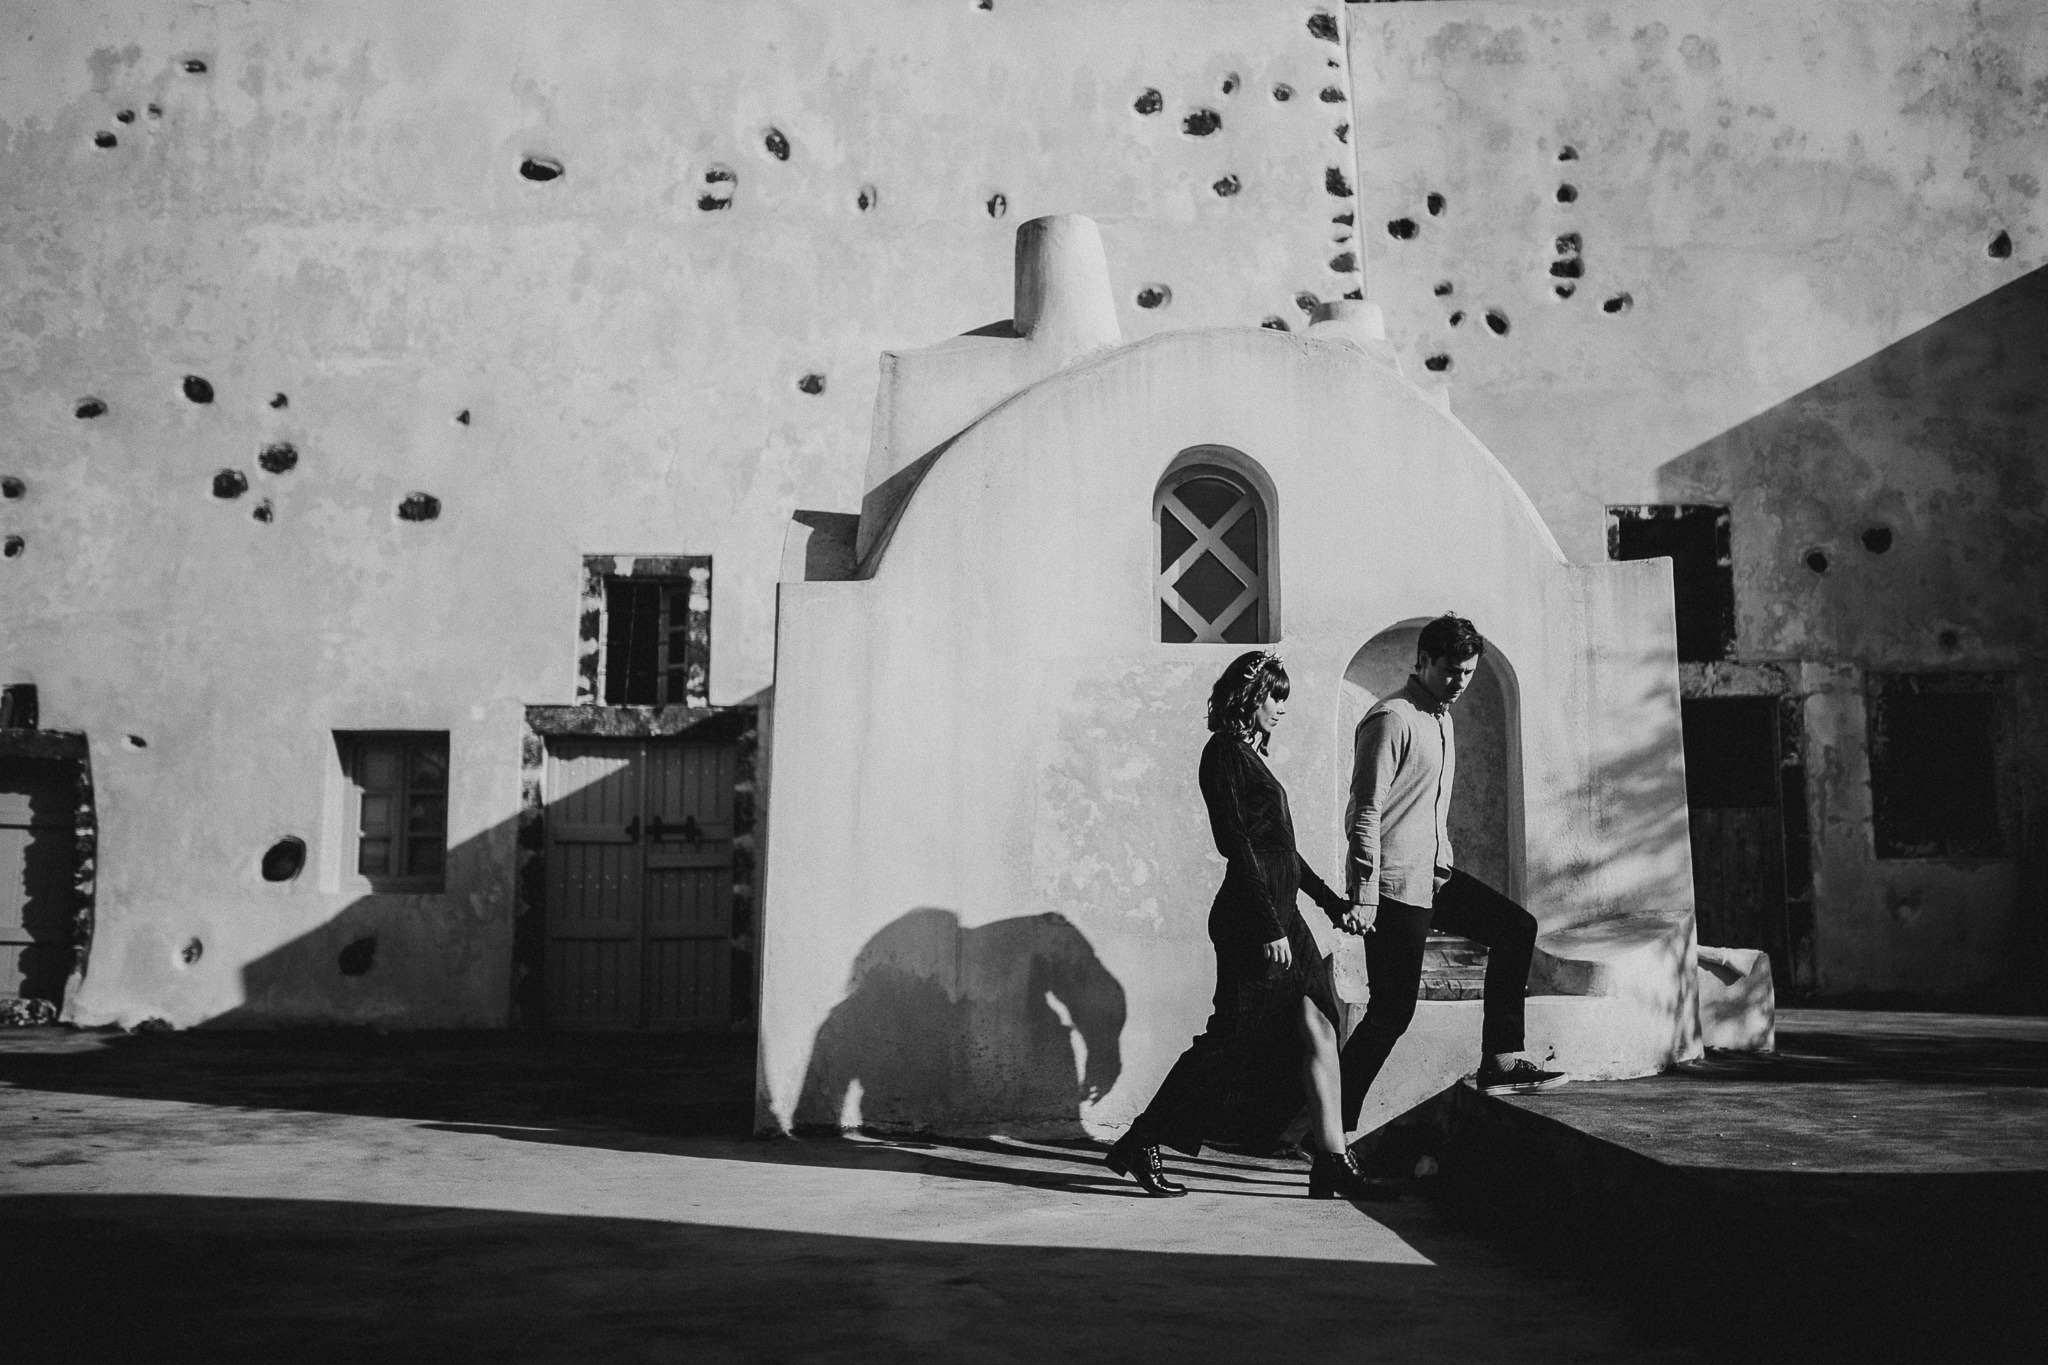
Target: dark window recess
[
  {"x": 657, "y": 640},
  {"x": 398, "y": 787},
  {"x": 1943, "y": 765},
  {"x": 1695, "y": 539}
]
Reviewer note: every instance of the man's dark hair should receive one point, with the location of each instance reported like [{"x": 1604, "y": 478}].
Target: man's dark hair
[{"x": 1451, "y": 637}]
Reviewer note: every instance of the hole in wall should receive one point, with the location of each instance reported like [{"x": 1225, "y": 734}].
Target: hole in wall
[
  {"x": 1567, "y": 193},
  {"x": 2001, "y": 246},
  {"x": 1358, "y": 294},
  {"x": 1456, "y": 318},
  {"x": 1230, "y": 84},
  {"x": 1443, "y": 289},
  {"x": 1877, "y": 539},
  {"x": 284, "y": 859},
  {"x": 1344, "y": 262},
  {"x": 1149, "y": 101},
  {"x": 1496, "y": 322},
  {"x": 191, "y": 952},
  {"x": 462, "y": 418},
  {"x": 1227, "y": 186},
  {"x": 195, "y": 66},
  {"x": 197, "y": 389},
  {"x": 1273, "y": 322},
  {"x": 1435, "y": 204},
  {"x": 134, "y": 743},
  {"x": 777, "y": 144},
  {"x": 264, "y": 512},
  {"x": 720, "y": 184},
  {"x": 1566, "y": 290},
  {"x": 89, "y": 408},
  {"x": 1401, "y": 229},
  {"x": 1201, "y": 123},
  {"x": 998, "y": 205},
  {"x": 1619, "y": 303},
  {"x": 1345, "y": 218},
  {"x": 541, "y": 168},
  {"x": 1568, "y": 269},
  {"x": 11, "y": 487},
  {"x": 1335, "y": 183},
  {"x": 105, "y": 140},
  {"x": 1568, "y": 243},
  {"x": 867, "y": 198},
  {"x": 1331, "y": 94},
  {"x": 12, "y": 547},
  {"x": 230, "y": 484},
  {"x": 1949, "y": 639},
  {"x": 1567, "y": 153},
  {"x": 1323, "y": 24},
  {"x": 812, "y": 383},
  {"x": 1154, "y": 296},
  {"x": 278, "y": 400},
  {"x": 1306, "y": 302},
  {"x": 358, "y": 957},
  {"x": 419, "y": 507},
  {"x": 1436, "y": 364},
  {"x": 1817, "y": 560},
  {"x": 985, "y": 4},
  {"x": 278, "y": 456},
  {"x": 156, "y": 111},
  {"x": 125, "y": 116},
  {"x": 1343, "y": 132},
  {"x": 1283, "y": 93}
]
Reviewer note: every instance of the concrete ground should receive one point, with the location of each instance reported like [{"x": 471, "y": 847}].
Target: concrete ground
[{"x": 320, "y": 1195}]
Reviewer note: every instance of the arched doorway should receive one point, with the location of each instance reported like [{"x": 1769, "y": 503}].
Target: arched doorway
[{"x": 1486, "y": 803}]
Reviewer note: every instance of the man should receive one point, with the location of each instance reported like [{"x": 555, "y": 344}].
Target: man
[{"x": 1402, "y": 880}]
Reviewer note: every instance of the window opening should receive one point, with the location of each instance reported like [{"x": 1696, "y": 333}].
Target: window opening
[
  {"x": 1212, "y": 580},
  {"x": 657, "y": 642},
  {"x": 398, "y": 807},
  {"x": 1943, "y": 766},
  {"x": 1695, "y": 537}
]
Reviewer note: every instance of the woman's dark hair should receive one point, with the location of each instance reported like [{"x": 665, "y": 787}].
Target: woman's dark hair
[
  {"x": 1451, "y": 637},
  {"x": 1251, "y": 678}
]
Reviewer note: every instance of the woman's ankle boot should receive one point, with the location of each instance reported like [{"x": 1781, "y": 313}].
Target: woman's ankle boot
[
  {"x": 1335, "y": 1175},
  {"x": 1140, "y": 1161}
]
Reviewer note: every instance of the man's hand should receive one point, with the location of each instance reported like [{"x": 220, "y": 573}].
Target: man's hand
[
  {"x": 1279, "y": 951},
  {"x": 1360, "y": 919}
]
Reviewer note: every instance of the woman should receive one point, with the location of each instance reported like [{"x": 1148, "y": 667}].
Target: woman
[{"x": 1274, "y": 994}]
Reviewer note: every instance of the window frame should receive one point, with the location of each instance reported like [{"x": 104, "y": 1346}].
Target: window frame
[
  {"x": 1256, "y": 496},
  {"x": 352, "y": 748},
  {"x": 677, "y": 579}
]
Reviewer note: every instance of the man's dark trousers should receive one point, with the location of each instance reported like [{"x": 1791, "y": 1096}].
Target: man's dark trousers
[{"x": 1470, "y": 909}]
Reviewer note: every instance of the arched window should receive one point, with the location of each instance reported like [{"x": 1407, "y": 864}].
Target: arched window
[{"x": 1214, "y": 558}]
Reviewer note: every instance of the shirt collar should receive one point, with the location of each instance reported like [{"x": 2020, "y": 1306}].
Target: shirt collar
[{"x": 1419, "y": 695}]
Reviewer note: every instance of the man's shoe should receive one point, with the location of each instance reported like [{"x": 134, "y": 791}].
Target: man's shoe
[
  {"x": 1519, "y": 1077},
  {"x": 1140, "y": 1161},
  {"x": 1336, "y": 1176}
]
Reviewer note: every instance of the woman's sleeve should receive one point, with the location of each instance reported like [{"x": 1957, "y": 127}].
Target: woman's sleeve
[
  {"x": 1331, "y": 904},
  {"x": 1224, "y": 774}
]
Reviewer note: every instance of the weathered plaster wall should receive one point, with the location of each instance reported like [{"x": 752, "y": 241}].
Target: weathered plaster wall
[
  {"x": 988, "y": 733},
  {"x": 1827, "y": 222},
  {"x": 325, "y": 201}
]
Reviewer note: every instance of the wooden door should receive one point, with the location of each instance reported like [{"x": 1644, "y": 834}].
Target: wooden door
[
  {"x": 1734, "y": 790},
  {"x": 37, "y": 846},
  {"x": 639, "y": 876}
]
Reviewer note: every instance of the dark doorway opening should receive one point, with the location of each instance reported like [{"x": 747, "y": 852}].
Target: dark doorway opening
[{"x": 1735, "y": 779}]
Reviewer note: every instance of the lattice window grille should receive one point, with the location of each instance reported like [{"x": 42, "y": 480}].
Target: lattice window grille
[{"x": 1212, "y": 555}]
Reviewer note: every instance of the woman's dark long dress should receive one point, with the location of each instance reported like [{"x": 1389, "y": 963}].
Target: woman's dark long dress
[{"x": 1254, "y": 1032}]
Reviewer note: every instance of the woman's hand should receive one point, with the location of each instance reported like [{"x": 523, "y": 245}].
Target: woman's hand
[
  {"x": 1360, "y": 920},
  {"x": 1280, "y": 953}
]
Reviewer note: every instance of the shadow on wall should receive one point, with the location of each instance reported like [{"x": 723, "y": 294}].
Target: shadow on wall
[
  {"x": 945, "y": 1025},
  {"x": 1899, "y": 503}
]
